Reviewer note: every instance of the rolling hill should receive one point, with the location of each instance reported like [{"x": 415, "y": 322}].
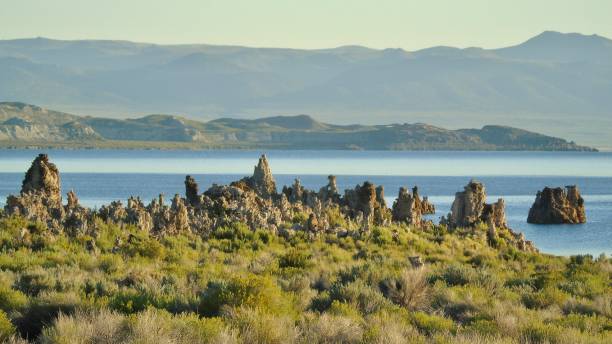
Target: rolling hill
[{"x": 23, "y": 125}]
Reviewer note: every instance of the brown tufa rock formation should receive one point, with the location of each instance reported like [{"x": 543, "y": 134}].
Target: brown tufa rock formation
[
  {"x": 73, "y": 200},
  {"x": 43, "y": 178},
  {"x": 367, "y": 202},
  {"x": 262, "y": 180},
  {"x": 469, "y": 208},
  {"x": 558, "y": 206},
  {"x": 312, "y": 225},
  {"x": 405, "y": 208},
  {"x": 40, "y": 197},
  {"x": 468, "y": 205},
  {"x": 424, "y": 205},
  {"x": 191, "y": 191},
  {"x": 330, "y": 191}
]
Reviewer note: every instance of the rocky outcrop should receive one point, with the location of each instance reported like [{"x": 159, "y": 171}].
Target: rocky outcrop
[
  {"x": 330, "y": 191},
  {"x": 406, "y": 209},
  {"x": 423, "y": 205},
  {"x": 43, "y": 177},
  {"x": 366, "y": 203},
  {"x": 262, "y": 180},
  {"x": 558, "y": 206},
  {"x": 40, "y": 197},
  {"x": 191, "y": 191},
  {"x": 468, "y": 205},
  {"x": 252, "y": 201},
  {"x": 470, "y": 208}
]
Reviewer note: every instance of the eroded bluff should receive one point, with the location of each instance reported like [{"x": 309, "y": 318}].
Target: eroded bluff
[
  {"x": 254, "y": 201},
  {"x": 558, "y": 206}
]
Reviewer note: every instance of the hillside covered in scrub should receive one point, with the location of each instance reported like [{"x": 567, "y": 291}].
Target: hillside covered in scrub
[
  {"x": 245, "y": 263},
  {"x": 23, "y": 125}
]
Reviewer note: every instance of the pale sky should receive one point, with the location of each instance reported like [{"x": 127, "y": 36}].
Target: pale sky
[{"x": 305, "y": 24}]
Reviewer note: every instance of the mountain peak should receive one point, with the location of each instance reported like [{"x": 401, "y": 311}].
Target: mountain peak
[{"x": 561, "y": 47}]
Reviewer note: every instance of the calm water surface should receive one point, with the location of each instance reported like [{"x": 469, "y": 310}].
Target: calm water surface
[{"x": 99, "y": 176}]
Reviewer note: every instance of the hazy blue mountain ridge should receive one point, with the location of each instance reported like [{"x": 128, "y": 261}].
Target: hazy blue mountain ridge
[{"x": 555, "y": 83}]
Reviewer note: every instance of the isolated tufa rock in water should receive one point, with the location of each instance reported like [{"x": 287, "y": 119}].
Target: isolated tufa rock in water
[
  {"x": 191, "y": 191},
  {"x": 558, "y": 206},
  {"x": 469, "y": 208},
  {"x": 405, "y": 208}
]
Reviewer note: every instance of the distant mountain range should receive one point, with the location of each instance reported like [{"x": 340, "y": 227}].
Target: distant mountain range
[
  {"x": 555, "y": 83},
  {"x": 23, "y": 125}
]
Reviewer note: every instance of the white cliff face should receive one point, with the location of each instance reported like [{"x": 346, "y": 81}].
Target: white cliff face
[{"x": 21, "y": 130}]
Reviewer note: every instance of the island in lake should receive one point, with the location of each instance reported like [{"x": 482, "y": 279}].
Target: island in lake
[{"x": 29, "y": 126}]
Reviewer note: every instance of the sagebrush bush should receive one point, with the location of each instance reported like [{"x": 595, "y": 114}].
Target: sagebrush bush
[
  {"x": 251, "y": 291},
  {"x": 118, "y": 284},
  {"x": 7, "y": 329},
  {"x": 410, "y": 290}
]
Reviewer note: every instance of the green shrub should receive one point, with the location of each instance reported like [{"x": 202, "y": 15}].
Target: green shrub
[
  {"x": 110, "y": 263},
  {"x": 367, "y": 299},
  {"x": 294, "y": 259},
  {"x": 145, "y": 246},
  {"x": 410, "y": 290},
  {"x": 11, "y": 300},
  {"x": 300, "y": 218},
  {"x": 537, "y": 333},
  {"x": 458, "y": 275},
  {"x": 42, "y": 312},
  {"x": 250, "y": 291},
  {"x": 7, "y": 329},
  {"x": 381, "y": 236},
  {"x": 431, "y": 324},
  {"x": 544, "y": 298},
  {"x": 258, "y": 326},
  {"x": 484, "y": 327},
  {"x": 328, "y": 328}
]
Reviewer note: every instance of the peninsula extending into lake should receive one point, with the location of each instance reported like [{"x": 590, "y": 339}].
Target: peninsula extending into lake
[{"x": 29, "y": 126}]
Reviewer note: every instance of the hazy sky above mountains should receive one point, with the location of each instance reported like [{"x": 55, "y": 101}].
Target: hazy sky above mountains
[{"x": 305, "y": 24}]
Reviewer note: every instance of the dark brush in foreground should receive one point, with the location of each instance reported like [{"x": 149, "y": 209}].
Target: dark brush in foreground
[{"x": 255, "y": 202}]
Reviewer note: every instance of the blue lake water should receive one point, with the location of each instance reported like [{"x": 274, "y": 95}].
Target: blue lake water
[{"x": 99, "y": 176}]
